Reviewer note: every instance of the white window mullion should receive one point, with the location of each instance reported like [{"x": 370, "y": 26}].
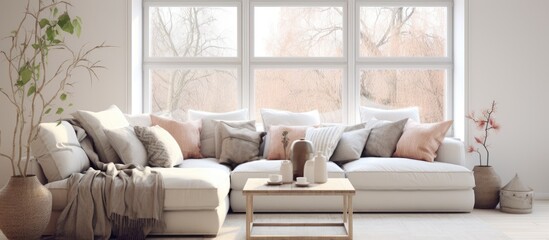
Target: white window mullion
[{"x": 246, "y": 88}]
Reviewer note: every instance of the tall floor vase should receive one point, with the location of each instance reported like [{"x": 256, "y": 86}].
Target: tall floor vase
[
  {"x": 487, "y": 187},
  {"x": 25, "y": 208}
]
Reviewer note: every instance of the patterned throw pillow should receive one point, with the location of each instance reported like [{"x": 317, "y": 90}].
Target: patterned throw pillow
[
  {"x": 325, "y": 139},
  {"x": 281, "y": 139},
  {"x": 162, "y": 149}
]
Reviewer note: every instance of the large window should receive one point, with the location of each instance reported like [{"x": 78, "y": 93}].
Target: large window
[{"x": 333, "y": 56}]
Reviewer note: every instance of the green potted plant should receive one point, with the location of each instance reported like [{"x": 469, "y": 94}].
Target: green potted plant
[
  {"x": 487, "y": 181},
  {"x": 37, "y": 87}
]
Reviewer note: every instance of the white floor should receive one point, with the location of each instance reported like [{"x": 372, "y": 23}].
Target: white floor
[{"x": 480, "y": 224}]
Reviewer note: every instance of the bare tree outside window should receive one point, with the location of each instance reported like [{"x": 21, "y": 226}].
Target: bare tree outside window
[
  {"x": 404, "y": 32},
  {"x": 193, "y": 32},
  {"x": 299, "y": 32},
  {"x": 306, "y": 34}
]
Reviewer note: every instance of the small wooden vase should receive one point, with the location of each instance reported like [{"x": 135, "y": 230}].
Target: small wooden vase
[
  {"x": 487, "y": 187},
  {"x": 300, "y": 151}
]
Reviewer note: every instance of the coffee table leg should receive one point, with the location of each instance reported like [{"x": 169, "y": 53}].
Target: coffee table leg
[
  {"x": 345, "y": 208},
  {"x": 350, "y": 215},
  {"x": 249, "y": 215}
]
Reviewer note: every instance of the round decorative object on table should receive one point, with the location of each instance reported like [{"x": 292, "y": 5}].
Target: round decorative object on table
[
  {"x": 516, "y": 197},
  {"x": 300, "y": 151},
  {"x": 25, "y": 209},
  {"x": 487, "y": 187}
]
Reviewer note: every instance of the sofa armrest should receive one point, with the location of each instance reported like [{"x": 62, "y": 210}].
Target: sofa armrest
[{"x": 452, "y": 151}]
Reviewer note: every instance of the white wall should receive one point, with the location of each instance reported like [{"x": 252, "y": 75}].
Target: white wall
[
  {"x": 508, "y": 48},
  {"x": 103, "y": 21},
  {"x": 508, "y": 62}
]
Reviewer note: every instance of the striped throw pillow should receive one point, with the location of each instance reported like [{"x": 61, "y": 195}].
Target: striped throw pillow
[{"x": 325, "y": 139}]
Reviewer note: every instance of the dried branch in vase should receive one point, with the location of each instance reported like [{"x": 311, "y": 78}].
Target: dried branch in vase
[{"x": 486, "y": 124}]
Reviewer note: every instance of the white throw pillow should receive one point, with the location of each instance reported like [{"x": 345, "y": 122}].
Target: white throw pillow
[
  {"x": 95, "y": 124},
  {"x": 128, "y": 147},
  {"x": 272, "y": 117},
  {"x": 238, "y": 115},
  {"x": 325, "y": 139},
  {"x": 143, "y": 120},
  {"x": 58, "y": 151},
  {"x": 393, "y": 115}
]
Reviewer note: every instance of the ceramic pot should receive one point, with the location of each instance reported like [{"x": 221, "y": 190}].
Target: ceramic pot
[
  {"x": 321, "y": 171},
  {"x": 286, "y": 171},
  {"x": 300, "y": 151},
  {"x": 25, "y": 209},
  {"x": 487, "y": 187}
]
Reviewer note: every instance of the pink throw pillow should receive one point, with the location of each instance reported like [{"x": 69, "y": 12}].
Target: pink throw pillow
[
  {"x": 187, "y": 134},
  {"x": 421, "y": 141},
  {"x": 281, "y": 139}
]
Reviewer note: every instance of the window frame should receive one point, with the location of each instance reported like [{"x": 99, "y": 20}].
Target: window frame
[
  {"x": 351, "y": 63},
  {"x": 413, "y": 63},
  {"x": 150, "y": 62}
]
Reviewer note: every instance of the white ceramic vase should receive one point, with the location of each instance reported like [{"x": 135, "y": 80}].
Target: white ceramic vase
[
  {"x": 286, "y": 171},
  {"x": 321, "y": 172},
  {"x": 309, "y": 171}
]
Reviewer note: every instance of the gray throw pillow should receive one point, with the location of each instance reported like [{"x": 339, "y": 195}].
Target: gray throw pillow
[
  {"x": 350, "y": 145},
  {"x": 237, "y": 124},
  {"x": 239, "y": 145},
  {"x": 383, "y": 138}
]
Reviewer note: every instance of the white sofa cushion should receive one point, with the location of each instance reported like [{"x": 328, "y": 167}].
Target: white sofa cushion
[
  {"x": 238, "y": 115},
  {"x": 407, "y": 174},
  {"x": 262, "y": 169},
  {"x": 393, "y": 115},
  {"x": 95, "y": 123},
  {"x": 128, "y": 147},
  {"x": 186, "y": 189},
  {"x": 58, "y": 151}
]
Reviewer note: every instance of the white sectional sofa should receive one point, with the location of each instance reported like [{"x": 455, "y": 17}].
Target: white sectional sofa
[{"x": 200, "y": 192}]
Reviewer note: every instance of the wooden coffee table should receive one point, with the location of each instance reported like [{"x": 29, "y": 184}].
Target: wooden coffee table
[{"x": 334, "y": 186}]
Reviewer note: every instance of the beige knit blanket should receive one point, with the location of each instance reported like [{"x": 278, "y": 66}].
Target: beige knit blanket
[{"x": 123, "y": 199}]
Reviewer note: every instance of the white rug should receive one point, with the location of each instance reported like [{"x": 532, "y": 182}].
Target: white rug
[{"x": 379, "y": 226}]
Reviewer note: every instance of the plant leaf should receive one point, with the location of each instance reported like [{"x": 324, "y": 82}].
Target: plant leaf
[
  {"x": 47, "y": 111},
  {"x": 44, "y": 22},
  {"x": 77, "y": 27},
  {"x": 64, "y": 21},
  {"x": 63, "y": 97},
  {"x": 59, "y": 110},
  {"x": 55, "y": 11},
  {"x": 25, "y": 75},
  {"x": 50, "y": 33},
  {"x": 32, "y": 90}
]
